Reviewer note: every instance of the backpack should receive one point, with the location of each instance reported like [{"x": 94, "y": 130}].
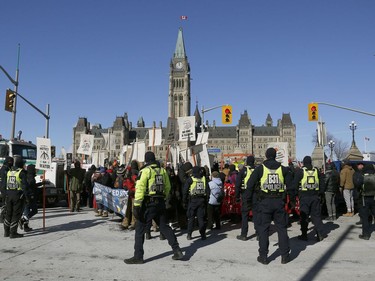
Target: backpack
[
  {"x": 368, "y": 188},
  {"x": 220, "y": 196}
]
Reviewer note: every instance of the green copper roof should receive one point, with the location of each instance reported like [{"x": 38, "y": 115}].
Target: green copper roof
[{"x": 180, "y": 46}]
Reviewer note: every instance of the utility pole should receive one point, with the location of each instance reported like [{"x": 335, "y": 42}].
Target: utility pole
[{"x": 15, "y": 83}]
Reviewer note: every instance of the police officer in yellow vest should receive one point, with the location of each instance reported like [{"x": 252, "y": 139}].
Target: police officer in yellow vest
[
  {"x": 272, "y": 179},
  {"x": 240, "y": 188},
  {"x": 308, "y": 182},
  {"x": 151, "y": 190},
  {"x": 16, "y": 184},
  {"x": 195, "y": 194}
]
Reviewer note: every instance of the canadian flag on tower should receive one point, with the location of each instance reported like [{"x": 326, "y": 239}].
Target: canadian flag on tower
[{"x": 183, "y": 17}]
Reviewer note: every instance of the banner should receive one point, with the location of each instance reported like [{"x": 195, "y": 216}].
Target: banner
[
  {"x": 43, "y": 158},
  {"x": 113, "y": 198},
  {"x": 86, "y": 144},
  {"x": 171, "y": 134},
  {"x": 154, "y": 137}
]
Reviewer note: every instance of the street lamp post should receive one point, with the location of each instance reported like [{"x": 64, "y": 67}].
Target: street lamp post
[
  {"x": 353, "y": 127},
  {"x": 331, "y": 145}
]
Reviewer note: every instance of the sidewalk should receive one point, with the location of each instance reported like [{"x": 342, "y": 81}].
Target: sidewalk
[{"x": 80, "y": 246}]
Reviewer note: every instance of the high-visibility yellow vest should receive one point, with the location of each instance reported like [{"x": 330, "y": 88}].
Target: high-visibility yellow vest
[{"x": 272, "y": 180}]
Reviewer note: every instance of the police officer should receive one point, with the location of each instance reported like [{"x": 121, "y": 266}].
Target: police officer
[
  {"x": 367, "y": 209},
  {"x": 310, "y": 185},
  {"x": 195, "y": 194},
  {"x": 151, "y": 190},
  {"x": 271, "y": 177},
  {"x": 240, "y": 188},
  {"x": 8, "y": 163},
  {"x": 16, "y": 184},
  {"x": 31, "y": 207}
]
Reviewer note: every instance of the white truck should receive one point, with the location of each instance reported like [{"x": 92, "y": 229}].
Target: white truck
[{"x": 54, "y": 178}]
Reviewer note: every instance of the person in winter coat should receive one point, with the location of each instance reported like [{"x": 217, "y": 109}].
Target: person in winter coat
[
  {"x": 215, "y": 200},
  {"x": 31, "y": 207},
  {"x": 347, "y": 187},
  {"x": 331, "y": 187},
  {"x": 309, "y": 183},
  {"x": 195, "y": 195},
  {"x": 241, "y": 196},
  {"x": 76, "y": 176}
]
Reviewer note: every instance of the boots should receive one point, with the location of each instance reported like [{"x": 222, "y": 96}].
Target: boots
[
  {"x": 26, "y": 227},
  {"x": 15, "y": 235},
  {"x": 6, "y": 231},
  {"x": 125, "y": 223},
  {"x": 99, "y": 214},
  {"x": 13, "y": 232},
  {"x": 348, "y": 214},
  {"x": 105, "y": 214},
  {"x": 177, "y": 255}
]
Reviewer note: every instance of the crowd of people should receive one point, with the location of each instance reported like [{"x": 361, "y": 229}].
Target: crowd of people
[{"x": 161, "y": 199}]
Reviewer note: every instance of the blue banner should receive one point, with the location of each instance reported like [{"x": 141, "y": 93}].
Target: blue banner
[{"x": 112, "y": 198}]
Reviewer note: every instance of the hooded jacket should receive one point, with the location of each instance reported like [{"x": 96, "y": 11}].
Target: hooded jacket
[{"x": 346, "y": 177}]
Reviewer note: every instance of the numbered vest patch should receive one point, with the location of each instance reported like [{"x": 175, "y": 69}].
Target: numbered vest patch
[
  {"x": 12, "y": 182},
  {"x": 273, "y": 183},
  {"x": 198, "y": 189},
  {"x": 158, "y": 186}
]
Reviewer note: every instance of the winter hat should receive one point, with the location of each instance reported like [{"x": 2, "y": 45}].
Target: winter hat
[
  {"x": 134, "y": 165},
  {"x": 31, "y": 169},
  {"x": 196, "y": 171},
  {"x": 102, "y": 170},
  {"x": 149, "y": 157},
  {"x": 232, "y": 167},
  {"x": 271, "y": 153},
  {"x": 250, "y": 160},
  {"x": 307, "y": 161},
  {"x": 215, "y": 174},
  {"x": 121, "y": 170}
]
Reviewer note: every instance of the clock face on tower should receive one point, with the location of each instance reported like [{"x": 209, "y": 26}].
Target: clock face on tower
[{"x": 179, "y": 65}]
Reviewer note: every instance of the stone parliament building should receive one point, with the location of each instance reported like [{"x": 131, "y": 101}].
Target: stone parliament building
[{"x": 244, "y": 138}]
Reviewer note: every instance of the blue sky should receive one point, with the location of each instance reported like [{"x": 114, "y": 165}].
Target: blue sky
[{"x": 100, "y": 59}]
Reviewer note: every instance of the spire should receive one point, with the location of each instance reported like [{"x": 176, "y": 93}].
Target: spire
[
  {"x": 180, "y": 46},
  {"x": 198, "y": 119}
]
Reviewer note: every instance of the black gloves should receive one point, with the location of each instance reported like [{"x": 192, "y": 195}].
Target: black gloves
[{"x": 137, "y": 212}]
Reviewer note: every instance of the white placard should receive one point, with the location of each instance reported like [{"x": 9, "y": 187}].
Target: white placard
[
  {"x": 186, "y": 128},
  {"x": 43, "y": 158},
  {"x": 86, "y": 144}
]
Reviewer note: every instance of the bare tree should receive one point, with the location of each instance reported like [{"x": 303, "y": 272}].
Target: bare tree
[{"x": 340, "y": 148}]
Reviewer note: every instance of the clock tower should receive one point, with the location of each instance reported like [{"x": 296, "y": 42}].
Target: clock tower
[{"x": 179, "y": 81}]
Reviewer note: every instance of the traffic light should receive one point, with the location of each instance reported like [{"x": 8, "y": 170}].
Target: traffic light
[
  {"x": 53, "y": 151},
  {"x": 226, "y": 114},
  {"x": 313, "y": 112},
  {"x": 9, "y": 100}
]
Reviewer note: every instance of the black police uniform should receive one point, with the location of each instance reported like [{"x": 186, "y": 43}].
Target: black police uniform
[
  {"x": 367, "y": 208},
  {"x": 240, "y": 193},
  {"x": 149, "y": 205},
  {"x": 271, "y": 205},
  {"x": 16, "y": 185},
  {"x": 195, "y": 194},
  {"x": 8, "y": 163},
  {"x": 309, "y": 198}
]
